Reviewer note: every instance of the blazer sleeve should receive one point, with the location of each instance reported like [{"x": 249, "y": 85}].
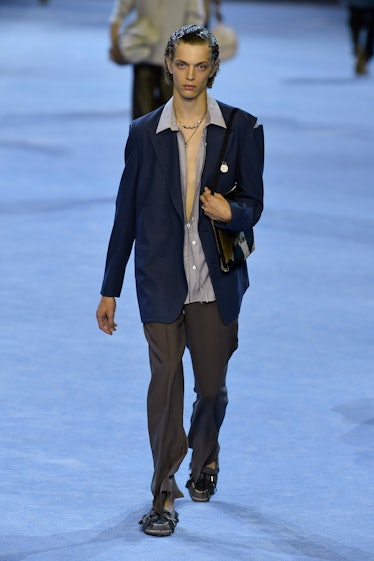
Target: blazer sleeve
[{"x": 123, "y": 231}]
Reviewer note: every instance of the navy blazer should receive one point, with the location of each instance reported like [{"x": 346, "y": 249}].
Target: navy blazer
[{"x": 149, "y": 211}]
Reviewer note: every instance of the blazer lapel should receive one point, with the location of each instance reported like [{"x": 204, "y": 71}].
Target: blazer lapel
[
  {"x": 215, "y": 136},
  {"x": 166, "y": 150}
]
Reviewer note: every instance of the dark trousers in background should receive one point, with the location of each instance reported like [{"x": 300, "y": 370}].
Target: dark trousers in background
[
  {"x": 361, "y": 23},
  {"x": 211, "y": 344},
  {"x": 150, "y": 90}
]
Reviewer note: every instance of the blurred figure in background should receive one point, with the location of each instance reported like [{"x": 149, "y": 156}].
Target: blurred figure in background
[
  {"x": 361, "y": 24},
  {"x": 150, "y": 90},
  {"x": 218, "y": 15}
]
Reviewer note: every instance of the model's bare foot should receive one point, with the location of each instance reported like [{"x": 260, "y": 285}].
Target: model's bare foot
[{"x": 169, "y": 505}]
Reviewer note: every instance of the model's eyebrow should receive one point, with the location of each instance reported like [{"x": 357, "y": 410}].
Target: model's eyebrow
[{"x": 197, "y": 63}]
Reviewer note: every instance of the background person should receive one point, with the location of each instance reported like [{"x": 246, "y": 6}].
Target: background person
[
  {"x": 149, "y": 87},
  {"x": 208, "y": 8},
  {"x": 361, "y": 25}
]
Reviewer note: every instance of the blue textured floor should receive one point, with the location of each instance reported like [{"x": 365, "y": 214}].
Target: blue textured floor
[{"x": 296, "y": 481}]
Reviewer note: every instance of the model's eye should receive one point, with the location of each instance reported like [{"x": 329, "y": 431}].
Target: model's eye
[
  {"x": 203, "y": 67},
  {"x": 180, "y": 64}
]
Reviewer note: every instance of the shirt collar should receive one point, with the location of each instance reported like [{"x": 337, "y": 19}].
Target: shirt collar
[{"x": 168, "y": 121}]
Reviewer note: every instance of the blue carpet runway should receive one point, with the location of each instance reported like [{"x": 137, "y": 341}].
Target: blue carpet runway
[{"x": 297, "y": 461}]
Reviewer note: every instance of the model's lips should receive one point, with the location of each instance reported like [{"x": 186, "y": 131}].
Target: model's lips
[{"x": 189, "y": 87}]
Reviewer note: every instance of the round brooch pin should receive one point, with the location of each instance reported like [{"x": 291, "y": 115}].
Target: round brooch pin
[{"x": 224, "y": 167}]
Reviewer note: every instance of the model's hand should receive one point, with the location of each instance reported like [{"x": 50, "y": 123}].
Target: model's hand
[
  {"x": 114, "y": 30},
  {"x": 215, "y": 206},
  {"x": 105, "y": 314}
]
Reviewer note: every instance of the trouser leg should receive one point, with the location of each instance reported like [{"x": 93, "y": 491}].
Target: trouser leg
[
  {"x": 355, "y": 24},
  {"x": 143, "y": 90},
  {"x": 165, "y": 407},
  {"x": 211, "y": 344},
  {"x": 150, "y": 90},
  {"x": 369, "y": 50}
]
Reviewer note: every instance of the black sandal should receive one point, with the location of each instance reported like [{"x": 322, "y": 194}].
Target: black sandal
[
  {"x": 156, "y": 524},
  {"x": 204, "y": 488}
]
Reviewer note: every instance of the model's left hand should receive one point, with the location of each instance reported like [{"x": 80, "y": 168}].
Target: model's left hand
[{"x": 215, "y": 206}]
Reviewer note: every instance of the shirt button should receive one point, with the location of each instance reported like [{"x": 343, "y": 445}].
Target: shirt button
[
  {"x": 194, "y": 267},
  {"x": 193, "y": 242}
]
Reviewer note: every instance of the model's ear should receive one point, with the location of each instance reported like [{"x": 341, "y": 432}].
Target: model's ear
[{"x": 214, "y": 70}]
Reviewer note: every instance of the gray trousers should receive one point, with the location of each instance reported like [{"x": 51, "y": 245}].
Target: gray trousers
[{"x": 211, "y": 344}]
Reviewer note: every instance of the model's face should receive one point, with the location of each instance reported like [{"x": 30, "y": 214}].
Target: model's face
[{"x": 191, "y": 69}]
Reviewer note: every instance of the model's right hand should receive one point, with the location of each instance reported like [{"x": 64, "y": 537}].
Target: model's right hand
[
  {"x": 105, "y": 314},
  {"x": 114, "y": 30}
]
